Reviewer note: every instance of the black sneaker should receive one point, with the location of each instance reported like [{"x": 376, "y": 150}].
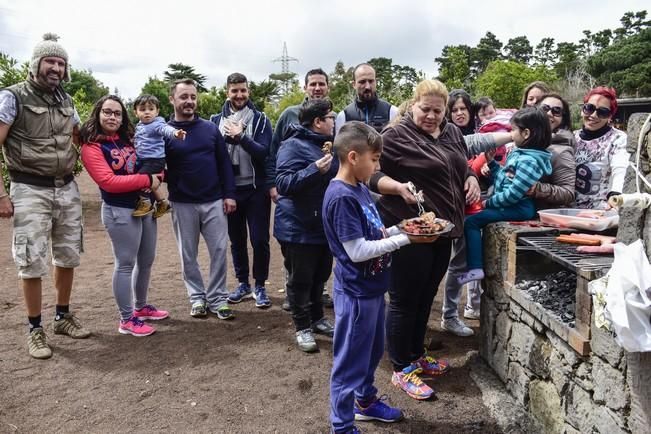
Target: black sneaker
[
  {"x": 223, "y": 312},
  {"x": 326, "y": 300},
  {"x": 286, "y": 307},
  {"x": 323, "y": 327}
]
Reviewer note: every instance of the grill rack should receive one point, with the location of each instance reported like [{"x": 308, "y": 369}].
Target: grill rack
[{"x": 565, "y": 254}]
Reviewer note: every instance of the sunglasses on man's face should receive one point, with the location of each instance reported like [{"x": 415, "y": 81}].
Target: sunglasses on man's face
[
  {"x": 602, "y": 112},
  {"x": 556, "y": 111}
]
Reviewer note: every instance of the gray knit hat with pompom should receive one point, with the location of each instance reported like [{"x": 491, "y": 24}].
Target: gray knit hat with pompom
[{"x": 49, "y": 47}]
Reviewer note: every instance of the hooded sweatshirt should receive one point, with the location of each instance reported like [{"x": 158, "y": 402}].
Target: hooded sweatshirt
[
  {"x": 523, "y": 168},
  {"x": 557, "y": 190}
]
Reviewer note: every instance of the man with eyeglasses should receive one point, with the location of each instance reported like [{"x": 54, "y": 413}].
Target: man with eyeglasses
[
  {"x": 367, "y": 107},
  {"x": 38, "y": 125}
]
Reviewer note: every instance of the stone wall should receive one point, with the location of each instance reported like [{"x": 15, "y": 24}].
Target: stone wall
[{"x": 606, "y": 391}]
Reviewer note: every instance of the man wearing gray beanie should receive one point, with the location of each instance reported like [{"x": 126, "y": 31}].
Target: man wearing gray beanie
[{"x": 37, "y": 125}]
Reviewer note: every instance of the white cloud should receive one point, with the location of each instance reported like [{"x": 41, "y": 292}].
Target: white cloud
[{"x": 125, "y": 42}]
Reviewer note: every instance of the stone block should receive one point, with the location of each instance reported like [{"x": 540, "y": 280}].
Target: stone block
[
  {"x": 638, "y": 378},
  {"x": 609, "y": 385},
  {"x": 579, "y": 409},
  {"x": 518, "y": 382},
  {"x": 569, "y": 429},
  {"x": 503, "y": 327},
  {"x": 571, "y": 357},
  {"x": 500, "y": 361},
  {"x": 487, "y": 340},
  {"x": 603, "y": 344},
  {"x": 583, "y": 376},
  {"x": 521, "y": 343},
  {"x": 559, "y": 371},
  {"x": 545, "y": 405},
  {"x": 539, "y": 357},
  {"x": 607, "y": 421}
]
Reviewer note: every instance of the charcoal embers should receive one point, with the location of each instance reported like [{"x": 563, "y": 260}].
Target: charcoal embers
[{"x": 557, "y": 293}]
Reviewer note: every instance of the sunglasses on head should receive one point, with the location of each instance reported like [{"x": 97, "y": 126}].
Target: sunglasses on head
[
  {"x": 556, "y": 111},
  {"x": 602, "y": 112}
]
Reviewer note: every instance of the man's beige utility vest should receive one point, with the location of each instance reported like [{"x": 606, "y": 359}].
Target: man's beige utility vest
[{"x": 40, "y": 139}]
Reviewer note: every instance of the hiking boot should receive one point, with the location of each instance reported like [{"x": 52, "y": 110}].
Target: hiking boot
[
  {"x": 431, "y": 366},
  {"x": 326, "y": 300},
  {"x": 224, "y": 312},
  {"x": 143, "y": 207},
  {"x": 242, "y": 292},
  {"x": 323, "y": 327},
  {"x": 378, "y": 410},
  {"x": 198, "y": 310},
  {"x": 470, "y": 313},
  {"x": 286, "y": 307},
  {"x": 150, "y": 312},
  {"x": 261, "y": 299},
  {"x": 37, "y": 344},
  {"x": 135, "y": 327},
  {"x": 306, "y": 341},
  {"x": 162, "y": 208},
  {"x": 409, "y": 381},
  {"x": 69, "y": 325},
  {"x": 456, "y": 327}
]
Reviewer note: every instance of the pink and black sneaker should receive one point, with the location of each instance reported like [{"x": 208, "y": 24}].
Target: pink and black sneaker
[{"x": 150, "y": 312}]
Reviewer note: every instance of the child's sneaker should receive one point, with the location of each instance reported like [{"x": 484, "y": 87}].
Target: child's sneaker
[
  {"x": 471, "y": 275},
  {"x": 162, "y": 208},
  {"x": 323, "y": 327},
  {"x": 471, "y": 313},
  {"x": 241, "y": 293},
  {"x": 456, "y": 327},
  {"x": 378, "y": 410},
  {"x": 431, "y": 366},
  {"x": 37, "y": 344},
  {"x": 261, "y": 299},
  {"x": 135, "y": 327},
  {"x": 143, "y": 208},
  {"x": 409, "y": 381},
  {"x": 224, "y": 312},
  {"x": 150, "y": 312},
  {"x": 198, "y": 310},
  {"x": 305, "y": 341}
]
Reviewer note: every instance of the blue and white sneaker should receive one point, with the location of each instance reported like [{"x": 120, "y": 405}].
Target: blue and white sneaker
[
  {"x": 241, "y": 293},
  {"x": 261, "y": 299},
  {"x": 378, "y": 410}
]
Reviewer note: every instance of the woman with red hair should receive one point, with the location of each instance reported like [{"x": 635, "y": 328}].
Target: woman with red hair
[{"x": 601, "y": 157}]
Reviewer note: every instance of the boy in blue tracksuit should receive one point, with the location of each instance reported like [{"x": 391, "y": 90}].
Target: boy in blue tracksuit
[
  {"x": 361, "y": 246},
  {"x": 247, "y": 132}
]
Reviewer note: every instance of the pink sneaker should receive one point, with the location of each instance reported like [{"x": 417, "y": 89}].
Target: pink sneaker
[
  {"x": 409, "y": 381},
  {"x": 150, "y": 312},
  {"x": 431, "y": 366},
  {"x": 134, "y": 326}
]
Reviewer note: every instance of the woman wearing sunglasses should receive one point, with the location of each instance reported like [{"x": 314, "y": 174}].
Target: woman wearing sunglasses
[
  {"x": 557, "y": 189},
  {"x": 601, "y": 157}
]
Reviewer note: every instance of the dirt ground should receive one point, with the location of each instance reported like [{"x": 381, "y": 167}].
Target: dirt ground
[{"x": 193, "y": 375}]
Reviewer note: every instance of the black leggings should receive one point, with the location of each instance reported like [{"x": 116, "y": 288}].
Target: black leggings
[{"x": 416, "y": 271}]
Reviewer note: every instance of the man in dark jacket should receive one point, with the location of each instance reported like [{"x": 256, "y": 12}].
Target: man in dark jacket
[
  {"x": 367, "y": 107},
  {"x": 302, "y": 176},
  {"x": 248, "y": 134},
  {"x": 202, "y": 191}
]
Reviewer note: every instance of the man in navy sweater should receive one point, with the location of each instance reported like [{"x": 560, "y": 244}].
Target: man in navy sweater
[
  {"x": 202, "y": 191},
  {"x": 248, "y": 134}
]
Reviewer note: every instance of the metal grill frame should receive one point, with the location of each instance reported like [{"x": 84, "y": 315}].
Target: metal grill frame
[{"x": 565, "y": 254}]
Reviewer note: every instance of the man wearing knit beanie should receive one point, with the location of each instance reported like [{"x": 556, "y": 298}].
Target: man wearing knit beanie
[{"x": 37, "y": 125}]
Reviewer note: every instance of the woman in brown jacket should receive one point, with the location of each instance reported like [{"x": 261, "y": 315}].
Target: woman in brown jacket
[
  {"x": 426, "y": 149},
  {"x": 557, "y": 189}
]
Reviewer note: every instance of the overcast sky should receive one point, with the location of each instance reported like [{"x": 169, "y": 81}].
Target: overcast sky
[{"x": 125, "y": 42}]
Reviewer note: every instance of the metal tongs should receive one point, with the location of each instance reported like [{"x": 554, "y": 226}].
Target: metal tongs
[{"x": 420, "y": 199}]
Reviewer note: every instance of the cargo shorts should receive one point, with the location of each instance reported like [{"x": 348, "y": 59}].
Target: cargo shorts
[{"x": 41, "y": 215}]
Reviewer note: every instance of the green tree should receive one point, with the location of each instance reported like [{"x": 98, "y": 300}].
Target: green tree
[
  {"x": 341, "y": 92},
  {"x": 11, "y": 72},
  {"x": 625, "y": 65},
  {"x": 83, "y": 80},
  {"x": 545, "y": 53},
  {"x": 632, "y": 24},
  {"x": 294, "y": 97},
  {"x": 286, "y": 81},
  {"x": 518, "y": 49},
  {"x": 210, "y": 102},
  {"x": 487, "y": 50},
  {"x": 504, "y": 80},
  {"x": 454, "y": 66},
  {"x": 178, "y": 71},
  {"x": 263, "y": 93},
  {"x": 395, "y": 83},
  {"x": 568, "y": 58},
  {"x": 160, "y": 89}
]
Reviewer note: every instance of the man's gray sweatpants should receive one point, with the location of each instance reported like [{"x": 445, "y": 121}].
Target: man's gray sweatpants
[{"x": 208, "y": 219}]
